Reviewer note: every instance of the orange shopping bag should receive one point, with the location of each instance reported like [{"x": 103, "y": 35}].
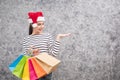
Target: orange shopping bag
[{"x": 40, "y": 72}]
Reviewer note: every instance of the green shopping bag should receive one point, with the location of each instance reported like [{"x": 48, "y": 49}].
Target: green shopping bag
[{"x": 18, "y": 70}]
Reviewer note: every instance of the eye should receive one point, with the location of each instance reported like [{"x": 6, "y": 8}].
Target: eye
[{"x": 39, "y": 24}]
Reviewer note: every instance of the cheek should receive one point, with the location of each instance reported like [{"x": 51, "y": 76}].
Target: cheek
[
  {"x": 43, "y": 26},
  {"x": 40, "y": 28}
]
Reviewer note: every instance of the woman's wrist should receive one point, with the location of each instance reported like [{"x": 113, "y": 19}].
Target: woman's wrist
[{"x": 58, "y": 38}]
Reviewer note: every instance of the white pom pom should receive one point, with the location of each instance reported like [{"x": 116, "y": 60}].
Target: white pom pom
[
  {"x": 34, "y": 25},
  {"x": 30, "y": 21}
]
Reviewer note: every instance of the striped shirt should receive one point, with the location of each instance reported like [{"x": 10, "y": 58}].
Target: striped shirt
[{"x": 44, "y": 42}]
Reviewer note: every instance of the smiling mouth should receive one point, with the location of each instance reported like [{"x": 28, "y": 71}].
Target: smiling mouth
[{"x": 39, "y": 29}]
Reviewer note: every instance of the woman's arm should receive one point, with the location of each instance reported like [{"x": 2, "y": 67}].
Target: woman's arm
[
  {"x": 25, "y": 45},
  {"x": 54, "y": 45},
  {"x": 29, "y": 48}
]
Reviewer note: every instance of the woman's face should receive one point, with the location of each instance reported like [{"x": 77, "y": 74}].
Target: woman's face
[{"x": 40, "y": 26}]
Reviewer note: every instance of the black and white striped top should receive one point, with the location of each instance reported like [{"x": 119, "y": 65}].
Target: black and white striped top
[{"x": 43, "y": 41}]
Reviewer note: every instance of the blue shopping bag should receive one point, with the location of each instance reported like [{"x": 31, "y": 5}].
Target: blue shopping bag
[
  {"x": 15, "y": 62},
  {"x": 18, "y": 70}
]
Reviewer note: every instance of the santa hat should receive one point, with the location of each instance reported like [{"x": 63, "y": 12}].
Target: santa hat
[{"x": 34, "y": 17}]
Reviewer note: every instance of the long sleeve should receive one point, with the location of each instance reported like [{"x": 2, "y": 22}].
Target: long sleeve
[
  {"x": 53, "y": 46},
  {"x": 25, "y": 45}
]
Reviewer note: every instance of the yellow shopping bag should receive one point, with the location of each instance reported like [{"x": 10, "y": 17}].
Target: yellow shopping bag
[{"x": 26, "y": 74}]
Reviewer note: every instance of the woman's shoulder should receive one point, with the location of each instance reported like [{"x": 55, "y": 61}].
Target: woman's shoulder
[
  {"x": 43, "y": 34},
  {"x": 26, "y": 37}
]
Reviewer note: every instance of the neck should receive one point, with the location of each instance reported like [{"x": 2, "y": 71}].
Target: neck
[{"x": 36, "y": 33}]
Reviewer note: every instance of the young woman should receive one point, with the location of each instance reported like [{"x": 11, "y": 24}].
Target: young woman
[{"x": 39, "y": 41}]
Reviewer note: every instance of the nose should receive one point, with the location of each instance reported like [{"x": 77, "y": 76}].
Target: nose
[{"x": 42, "y": 26}]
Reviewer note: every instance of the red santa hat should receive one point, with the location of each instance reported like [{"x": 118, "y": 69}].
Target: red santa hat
[{"x": 34, "y": 17}]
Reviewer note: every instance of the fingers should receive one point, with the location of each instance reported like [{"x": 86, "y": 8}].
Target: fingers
[
  {"x": 59, "y": 36},
  {"x": 68, "y": 34},
  {"x": 65, "y": 35},
  {"x": 36, "y": 51}
]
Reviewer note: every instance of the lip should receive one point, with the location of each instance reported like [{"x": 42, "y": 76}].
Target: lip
[{"x": 39, "y": 29}]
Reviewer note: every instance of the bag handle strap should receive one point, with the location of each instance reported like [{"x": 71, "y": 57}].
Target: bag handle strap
[{"x": 30, "y": 51}]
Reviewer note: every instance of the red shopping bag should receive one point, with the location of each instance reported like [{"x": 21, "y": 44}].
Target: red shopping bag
[{"x": 33, "y": 75}]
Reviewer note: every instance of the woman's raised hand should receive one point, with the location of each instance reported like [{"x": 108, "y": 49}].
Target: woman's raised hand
[{"x": 59, "y": 36}]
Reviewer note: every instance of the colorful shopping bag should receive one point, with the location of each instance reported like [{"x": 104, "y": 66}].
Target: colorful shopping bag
[
  {"x": 32, "y": 68},
  {"x": 48, "y": 62},
  {"x": 26, "y": 73},
  {"x": 40, "y": 72},
  {"x": 15, "y": 62},
  {"x": 18, "y": 70},
  {"x": 33, "y": 75}
]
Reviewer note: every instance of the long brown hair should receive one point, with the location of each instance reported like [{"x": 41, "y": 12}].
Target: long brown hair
[{"x": 30, "y": 29}]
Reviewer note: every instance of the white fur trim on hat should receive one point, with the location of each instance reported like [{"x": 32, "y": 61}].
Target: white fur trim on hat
[
  {"x": 30, "y": 21},
  {"x": 34, "y": 25},
  {"x": 40, "y": 19}
]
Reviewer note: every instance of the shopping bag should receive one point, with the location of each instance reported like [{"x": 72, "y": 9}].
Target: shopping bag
[
  {"x": 33, "y": 75},
  {"x": 40, "y": 72},
  {"x": 48, "y": 62},
  {"x": 18, "y": 70},
  {"x": 26, "y": 74},
  {"x": 15, "y": 62}
]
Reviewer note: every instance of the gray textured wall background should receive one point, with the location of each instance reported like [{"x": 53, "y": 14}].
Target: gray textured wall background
[{"x": 91, "y": 53}]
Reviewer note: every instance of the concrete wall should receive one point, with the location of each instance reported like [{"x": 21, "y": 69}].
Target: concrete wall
[{"x": 91, "y": 53}]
